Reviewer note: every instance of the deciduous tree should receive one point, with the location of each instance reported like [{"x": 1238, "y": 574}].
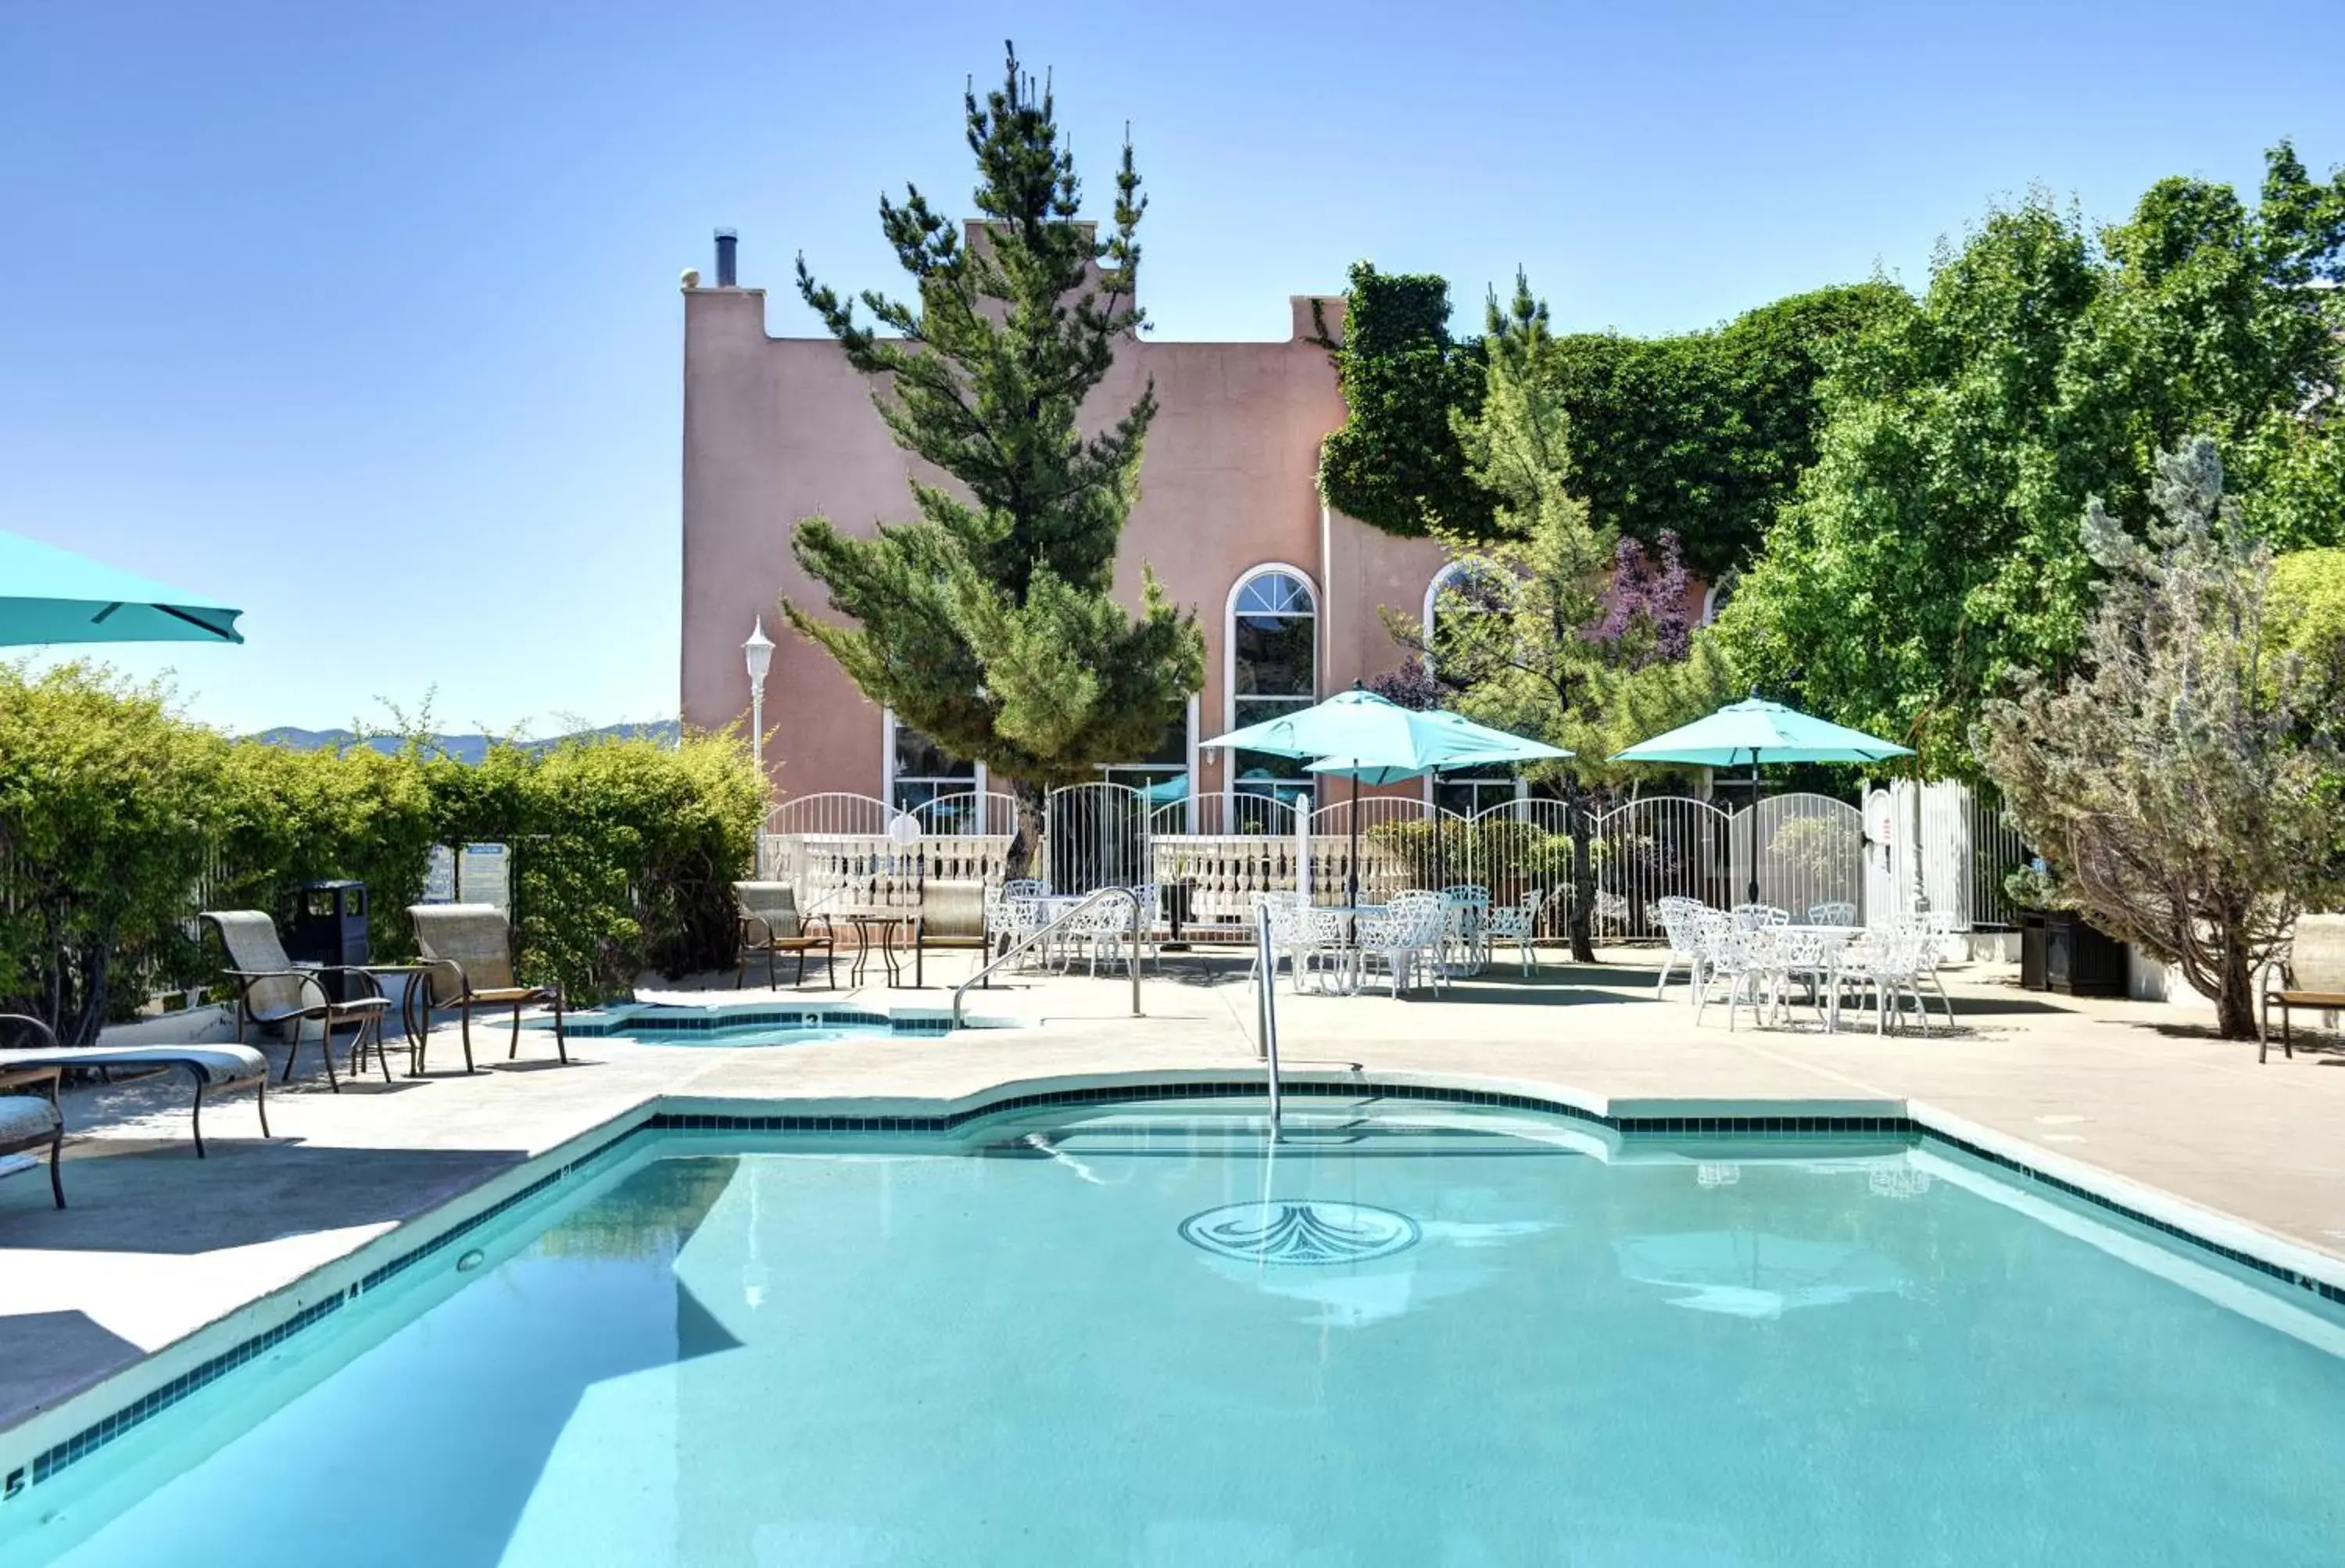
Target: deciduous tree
[{"x": 1932, "y": 550}]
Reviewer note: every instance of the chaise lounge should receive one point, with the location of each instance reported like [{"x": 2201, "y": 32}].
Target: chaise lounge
[
  {"x": 31, "y": 1121},
  {"x": 211, "y": 1066}
]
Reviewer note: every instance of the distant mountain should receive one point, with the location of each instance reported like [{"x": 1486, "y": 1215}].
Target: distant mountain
[{"x": 463, "y": 748}]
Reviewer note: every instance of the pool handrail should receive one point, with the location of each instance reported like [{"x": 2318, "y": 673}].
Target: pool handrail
[{"x": 1040, "y": 932}]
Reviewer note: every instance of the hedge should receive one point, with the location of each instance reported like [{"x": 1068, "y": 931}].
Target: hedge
[{"x": 119, "y": 817}]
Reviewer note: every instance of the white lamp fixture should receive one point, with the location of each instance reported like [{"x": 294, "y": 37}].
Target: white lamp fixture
[{"x": 757, "y": 653}]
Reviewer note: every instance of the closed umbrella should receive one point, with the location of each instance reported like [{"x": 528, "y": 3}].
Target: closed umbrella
[
  {"x": 1753, "y": 730},
  {"x": 1360, "y": 736},
  {"x": 53, "y": 595}
]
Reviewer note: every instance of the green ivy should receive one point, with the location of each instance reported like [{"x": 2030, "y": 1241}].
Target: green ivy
[
  {"x": 1701, "y": 433},
  {"x": 1706, "y": 433},
  {"x": 1395, "y": 463}
]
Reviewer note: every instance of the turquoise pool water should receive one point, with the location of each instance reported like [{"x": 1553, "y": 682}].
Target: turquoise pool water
[{"x": 1416, "y": 1335}]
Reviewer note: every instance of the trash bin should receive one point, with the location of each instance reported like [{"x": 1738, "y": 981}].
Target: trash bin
[{"x": 330, "y": 926}]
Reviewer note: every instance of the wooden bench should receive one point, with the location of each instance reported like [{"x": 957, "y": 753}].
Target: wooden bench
[{"x": 2312, "y": 974}]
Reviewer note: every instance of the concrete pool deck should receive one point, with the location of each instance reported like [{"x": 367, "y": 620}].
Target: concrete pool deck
[{"x": 157, "y": 1245}]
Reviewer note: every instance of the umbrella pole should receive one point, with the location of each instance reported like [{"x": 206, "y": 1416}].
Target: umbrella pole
[
  {"x": 1440, "y": 870},
  {"x": 1753, "y": 897},
  {"x": 1352, "y": 872}
]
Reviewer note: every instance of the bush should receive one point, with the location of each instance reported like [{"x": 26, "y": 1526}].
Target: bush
[
  {"x": 110, "y": 814},
  {"x": 119, "y": 819}
]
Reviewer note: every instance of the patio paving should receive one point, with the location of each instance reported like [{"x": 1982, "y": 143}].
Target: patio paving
[{"x": 157, "y": 1245}]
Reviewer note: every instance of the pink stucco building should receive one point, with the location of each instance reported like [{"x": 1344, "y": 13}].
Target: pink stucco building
[{"x": 1286, "y": 590}]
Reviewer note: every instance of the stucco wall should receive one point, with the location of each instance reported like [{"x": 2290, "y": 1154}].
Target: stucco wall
[{"x": 779, "y": 429}]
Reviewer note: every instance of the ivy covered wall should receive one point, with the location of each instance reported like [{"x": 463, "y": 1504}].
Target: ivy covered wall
[{"x": 1702, "y": 434}]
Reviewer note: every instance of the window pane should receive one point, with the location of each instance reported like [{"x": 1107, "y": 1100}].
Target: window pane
[
  {"x": 1172, "y": 746},
  {"x": 1257, "y": 771},
  {"x": 1255, "y": 710},
  {"x": 1275, "y": 593},
  {"x": 918, "y": 757},
  {"x": 1274, "y": 656}
]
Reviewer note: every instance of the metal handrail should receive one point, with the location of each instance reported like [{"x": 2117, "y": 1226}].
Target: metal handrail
[
  {"x": 1094, "y": 896},
  {"x": 1266, "y": 957}
]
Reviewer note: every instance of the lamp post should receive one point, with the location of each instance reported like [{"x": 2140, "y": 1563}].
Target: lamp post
[{"x": 757, "y": 653}]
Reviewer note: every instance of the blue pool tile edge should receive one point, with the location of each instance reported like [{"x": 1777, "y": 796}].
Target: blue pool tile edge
[{"x": 59, "y": 1456}]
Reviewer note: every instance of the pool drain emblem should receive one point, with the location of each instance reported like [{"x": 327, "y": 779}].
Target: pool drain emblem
[{"x": 1300, "y": 1231}]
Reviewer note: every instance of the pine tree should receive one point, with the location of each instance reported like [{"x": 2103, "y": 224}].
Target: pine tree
[
  {"x": 987, "y": 624},
  {"x": 1549, "y": 627}
]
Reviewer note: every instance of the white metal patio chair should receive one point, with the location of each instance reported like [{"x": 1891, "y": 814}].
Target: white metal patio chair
[
  {"x": 1290, "y": 935},
  {"x": 1410, "y": 932},
  {"x": 1516, "y": 923},
  {"x": 1756, "y": 916},
  {"x": 1682, "y": 924},
  {"x": 1466, "y": 910},
  {"x": 1834, "y": 912},
  {"x": 1887, "y": 965},
  {"x": 1738, "y": 957}
]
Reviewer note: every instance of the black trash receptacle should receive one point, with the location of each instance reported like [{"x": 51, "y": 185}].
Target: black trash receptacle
[{"x": 330, "y": 926}]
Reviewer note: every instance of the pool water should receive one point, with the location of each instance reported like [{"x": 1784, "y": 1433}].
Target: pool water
[{"x": 1415, "y": 1335}]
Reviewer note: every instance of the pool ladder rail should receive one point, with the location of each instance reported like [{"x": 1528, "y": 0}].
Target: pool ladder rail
[
  {"x": 1266, "y": 1005},
  {"x": 1044, "y": 932}
]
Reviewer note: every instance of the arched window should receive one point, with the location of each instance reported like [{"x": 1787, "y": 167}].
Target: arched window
[
  {"x": 1272, "y": 668},
  {"x": 1464, "y": 790},
  {"x": 1448, "y": 575},
  {"x": 1714, "y": 597}
]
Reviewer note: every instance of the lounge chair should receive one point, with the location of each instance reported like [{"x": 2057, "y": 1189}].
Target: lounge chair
[
  {"x": 270, "y": 989},
  {"x": 468, "y": 951},
  {"x": 2310, "y": 974},
  {"x": 31, "y": 1121},
  {"x": 951, "y": 915},
  {"x": 770, "y": 923},
  {"x": 211, "y": 1066}
]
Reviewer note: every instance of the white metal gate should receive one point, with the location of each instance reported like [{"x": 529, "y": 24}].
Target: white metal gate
[
  {"x": 1811, "y": 857},
  {"x": 1666, "y": 846},
  {"x": 1096, "y": 836}
]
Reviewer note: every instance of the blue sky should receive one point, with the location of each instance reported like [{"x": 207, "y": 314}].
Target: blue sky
[{"x": 363, "y": 317}]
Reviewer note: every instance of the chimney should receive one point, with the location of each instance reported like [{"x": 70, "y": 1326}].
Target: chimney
[{"x": 726, "y": 242}]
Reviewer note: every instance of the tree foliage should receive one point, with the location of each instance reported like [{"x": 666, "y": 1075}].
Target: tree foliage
[
  {"x": 1701, "y": 434},
  {"x": 1525, "y": 635},
  {"x": 119, "y": 819},
  {"x": 110, "y": 807},
  {"x": 1705, "y": 435},
  {"x": 1395, "y": 462},
  {"x": 2175, "y": 781},
  {"x": 989, "y": 623},
  {"x": 1931, "y": 551}
]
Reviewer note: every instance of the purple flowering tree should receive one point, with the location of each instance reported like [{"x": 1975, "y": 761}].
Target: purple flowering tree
[{"x": 1645, "y": 606}]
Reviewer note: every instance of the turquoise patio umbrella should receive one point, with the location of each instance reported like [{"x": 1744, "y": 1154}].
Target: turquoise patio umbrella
[
  {"x": 1755, "y": 730},
  {"x": 53, "y": 595},
  {"x": 1361, "y": 737}
]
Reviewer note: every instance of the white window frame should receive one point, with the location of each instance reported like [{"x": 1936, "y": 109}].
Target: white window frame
[{"x": 1230, "y": 658}]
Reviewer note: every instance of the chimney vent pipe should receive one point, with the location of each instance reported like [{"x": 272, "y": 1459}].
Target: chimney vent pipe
[{"x": 728, "y": 241}]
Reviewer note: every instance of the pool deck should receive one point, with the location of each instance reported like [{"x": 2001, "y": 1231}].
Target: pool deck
[{"x": 2134, "y": 1097}]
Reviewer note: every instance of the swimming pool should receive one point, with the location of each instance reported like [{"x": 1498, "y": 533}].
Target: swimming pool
[
  {"x": 1405, "y": 1333},
  {"x": 728, "y": 1024}
]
